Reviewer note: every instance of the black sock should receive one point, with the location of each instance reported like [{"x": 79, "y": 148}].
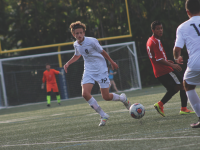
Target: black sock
[
  {"x": 183, "y": 98},
  {"x": 167, "y": 96}
]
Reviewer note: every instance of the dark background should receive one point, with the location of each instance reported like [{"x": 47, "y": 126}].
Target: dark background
[{"x": 28, "y": 23}]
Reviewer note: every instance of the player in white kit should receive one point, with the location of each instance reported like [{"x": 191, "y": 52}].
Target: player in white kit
[
  {"x": 95, "y": 69},
  {"x": 188, "y": 33}
]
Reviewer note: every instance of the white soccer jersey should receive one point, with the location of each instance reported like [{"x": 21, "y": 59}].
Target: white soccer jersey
[
  {"x": 90, "y": 49},
  {"x": 188, "y": 33}
]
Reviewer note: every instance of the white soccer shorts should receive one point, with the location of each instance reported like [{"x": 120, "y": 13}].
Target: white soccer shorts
[
  {"x": 102, "y": 79},
  {"x": 192, "y": 77}
]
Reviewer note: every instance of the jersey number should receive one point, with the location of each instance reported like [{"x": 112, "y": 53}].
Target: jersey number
[
  {"x": 86, "y": 51},
  {"x": 195, "y": 27},
  {"x": 149, "y": 52},
  {"x": 104, "y": 80}
]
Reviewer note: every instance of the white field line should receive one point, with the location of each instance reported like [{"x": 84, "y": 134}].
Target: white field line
[
  {"x": 57, "y": 114},
  {"x": 106, "y": 140},
  {"x": 21, "y": 119},
  {"x": 179, "y": 146}
]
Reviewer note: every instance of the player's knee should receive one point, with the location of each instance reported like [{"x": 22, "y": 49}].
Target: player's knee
[
  {"x": 85, "y": 95},
  {"x": 177, "y": 88},
  {"x": 106, "y": 97},
  {"x": 172, "y": 91}
]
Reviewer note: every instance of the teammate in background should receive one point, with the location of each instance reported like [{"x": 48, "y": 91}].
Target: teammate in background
[
  {"x": 165, "y": 70},
  {"x": 95, "y": 69},
  {"x": 188, "y": 33},
  {"x": 51, "y": 84},
  {"x": 111, "y": 76}
]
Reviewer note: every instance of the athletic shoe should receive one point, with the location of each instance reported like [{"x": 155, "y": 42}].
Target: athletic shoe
[
  {"x": 185, "y": 112},
  {"x": 159, "y": 109},
  {"x": 103, "y": 120},
  {"x": 59, "y": 104},
  {"x": 48, "y": 105},
  {"x": 195, "y": 125},
  {"x": 126, "y": 103}
]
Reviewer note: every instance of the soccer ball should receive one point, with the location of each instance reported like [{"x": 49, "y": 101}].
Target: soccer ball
[{"x": 137, "y": 110}]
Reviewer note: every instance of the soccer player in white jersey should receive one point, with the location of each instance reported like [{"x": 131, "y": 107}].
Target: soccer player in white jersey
[
  {"x": 95, "y": 69},
  {"x": 188, "y": 33}
]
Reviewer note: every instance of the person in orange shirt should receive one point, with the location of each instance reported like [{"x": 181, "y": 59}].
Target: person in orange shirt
[{"x": 51, "y": 84}]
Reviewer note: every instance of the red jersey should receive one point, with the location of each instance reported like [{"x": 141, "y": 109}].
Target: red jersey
[
  {"x": 49, "y": 76},
  {"x": 156, "y": 52}
]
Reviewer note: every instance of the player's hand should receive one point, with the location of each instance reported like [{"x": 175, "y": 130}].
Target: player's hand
[
  {"x": 114, "y": 65},
  {"x": 114, "y": 72},
  {"x": 65, "y": 67},
  {"x": 61, "y": 73},
  {"x": 179, "y": 60},
  {"x": 42, "y": 86},
  {"x": 177, "y": 67},
  {"x": 170, "y": 61}
]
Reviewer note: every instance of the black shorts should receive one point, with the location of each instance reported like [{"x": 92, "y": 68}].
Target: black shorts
[{"x": 170, "y": 80}]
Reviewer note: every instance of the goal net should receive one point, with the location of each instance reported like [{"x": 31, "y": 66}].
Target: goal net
[{"x": 21, "y": 77}]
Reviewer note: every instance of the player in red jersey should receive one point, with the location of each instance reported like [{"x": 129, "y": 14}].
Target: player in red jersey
[
  {"x": 165, "y": 70},
  {"x": 51, "y": 84}
]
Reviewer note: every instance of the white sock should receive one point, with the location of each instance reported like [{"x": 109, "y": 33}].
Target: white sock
[
  {"x": 117, "y": 97},
  {"x": 93, "y": 103},
  {"x": 194, "y": 101}
]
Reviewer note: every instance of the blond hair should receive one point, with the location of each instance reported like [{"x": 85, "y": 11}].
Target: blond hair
[{"x": 76, "y": 25}]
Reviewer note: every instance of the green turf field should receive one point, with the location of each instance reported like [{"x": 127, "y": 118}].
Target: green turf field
[{"x": 74, "y": 125}]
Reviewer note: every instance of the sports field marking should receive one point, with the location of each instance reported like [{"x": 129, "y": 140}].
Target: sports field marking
[
  {"x": 21, "y": 119},
  {"x": 57, "y": 114},
  {"x": 179, "y": 146},
  {"x": 106, "y": 140}
]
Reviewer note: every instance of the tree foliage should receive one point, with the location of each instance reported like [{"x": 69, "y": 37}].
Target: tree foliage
[{"x": 27, "y": 23}]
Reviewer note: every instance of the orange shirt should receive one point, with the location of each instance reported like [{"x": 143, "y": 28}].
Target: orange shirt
[{"x": 49, "y": 76}]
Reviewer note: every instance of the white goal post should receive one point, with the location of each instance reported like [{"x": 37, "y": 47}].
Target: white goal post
[{"x": 21, "y": 77}]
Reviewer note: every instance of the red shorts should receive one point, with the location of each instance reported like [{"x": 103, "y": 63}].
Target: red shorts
[{"x": 51, "y": 87}]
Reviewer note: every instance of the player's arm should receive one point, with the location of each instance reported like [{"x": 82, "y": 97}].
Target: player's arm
[
  {"x": 177, "y": 55},
  {"x": 179, "y": 44},
  {"x": 159, "y": 58},
  {"x": 99, "y": 49},
  {"x": 72, "y": 60},
  {"x": 112, "y": 73},
  {"x": 57, "y": 72},
  {"x": 113, "y": 64},
  {"x": 169, "y": 63},
  {"x": 43, "y": 81}
]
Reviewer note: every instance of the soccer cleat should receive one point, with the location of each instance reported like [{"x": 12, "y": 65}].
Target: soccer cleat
[
  {"x": 185, "y": 112},
  {"x": 103, "y": 120},
  {"x": 195, "y": 125},
  {"x": 59, "y": 104},
  {"x": 159, "y": 109},
  {"x": 126, "y": 103},
  {"x": 48, "y": 105}
]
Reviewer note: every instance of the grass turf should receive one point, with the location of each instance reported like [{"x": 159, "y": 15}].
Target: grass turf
[{"x": 74, "y": 125}]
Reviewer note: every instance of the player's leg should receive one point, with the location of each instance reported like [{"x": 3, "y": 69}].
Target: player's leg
[
  {"x": 48, "y": 95},
  {"x": 172, "y": 88},
  {"x": 87, "y": 85},
  {"x": 104, "y": 83},
  {"x": 48, "y": 98},
  {"x": 58, "y": 97},
  {"x": 114, "y": 85},
  {"x": 55, "y": 90},
  {"x": 183, "y": 95},
  {"x": 184, "y": 99},
  {"x": 191, "y": 79},
  {"x": 86, "y": 93}
]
